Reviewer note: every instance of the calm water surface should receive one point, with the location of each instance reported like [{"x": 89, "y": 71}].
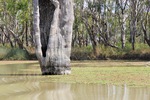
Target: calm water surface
[{"x": 22, "y": 81}]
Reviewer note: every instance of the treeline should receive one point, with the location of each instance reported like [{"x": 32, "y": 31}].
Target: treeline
[
  {"x": 111, "y": 23},
  {"x": 99, "y": 26},
  {"x": 16, "y": 23}
]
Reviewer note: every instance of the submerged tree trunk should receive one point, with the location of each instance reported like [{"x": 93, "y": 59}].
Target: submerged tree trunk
[{"x": 53, "y": 22}]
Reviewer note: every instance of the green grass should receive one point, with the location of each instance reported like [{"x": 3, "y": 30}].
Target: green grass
[
  {"x": 118, "y": 76},
  {"x": 131, "y": 75}
]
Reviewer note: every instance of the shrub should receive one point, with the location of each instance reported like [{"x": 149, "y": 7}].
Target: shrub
[
  {"x": 142, "y": 52},
  {"x": 83, "y": 53},
  {"x": 13, "y": 54},
  {"x": 3, "y": 52}
]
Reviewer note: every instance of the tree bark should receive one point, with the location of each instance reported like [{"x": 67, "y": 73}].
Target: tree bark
[
  {"x": 53, "y": 22},
  {"x": 121, "y": 15},
  {"x": 145, "y": 35},
  {"x": 133, "y": 22}
]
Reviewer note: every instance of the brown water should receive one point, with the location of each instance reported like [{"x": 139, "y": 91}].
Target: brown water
[{"x": 22, "y": 81}]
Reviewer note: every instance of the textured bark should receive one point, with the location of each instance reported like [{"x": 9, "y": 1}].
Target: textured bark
[
  {"x": 53, "y": 22},
  {"x": 145, "y": 35},
  {"x": 122, "y": 20},
  {"x": 133, "y": 22}
]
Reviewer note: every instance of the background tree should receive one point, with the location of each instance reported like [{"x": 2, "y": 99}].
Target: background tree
[
  {"x": 115, "y": 22},
  {"x": 15, "y": 16},
  {"x": 121, "y": 9},
  {"x": 145, "y": 21}
]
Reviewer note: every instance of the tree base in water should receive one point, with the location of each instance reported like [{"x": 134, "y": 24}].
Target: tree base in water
[{"x": 56, "y": 71}]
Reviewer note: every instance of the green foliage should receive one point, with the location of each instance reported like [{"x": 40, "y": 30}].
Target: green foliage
[
  {"x": 12, "y": 11},
  {"x": 106, "y": 52},
  {"x": 3, "y": 52},
  {"x": 24, "y": 9},
  {"x": 13, "y": 54},
  {"x": 86, "y": 53},
  {"x": 83, "y": 53},
  {"x": 117, "y": 18}
]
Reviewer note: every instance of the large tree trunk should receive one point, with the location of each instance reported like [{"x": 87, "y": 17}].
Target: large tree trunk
[{"x": 53, "y": 22}]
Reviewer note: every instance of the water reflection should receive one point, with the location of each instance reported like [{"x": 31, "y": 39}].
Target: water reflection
[
  {"x": 31, "y": 87},
  {"x": 25, "y": 89}
]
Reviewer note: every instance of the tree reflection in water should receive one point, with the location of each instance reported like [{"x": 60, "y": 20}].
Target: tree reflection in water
[{"x": 27, "y": 88}]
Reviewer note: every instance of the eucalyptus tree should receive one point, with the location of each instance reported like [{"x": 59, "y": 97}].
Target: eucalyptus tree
[
  {"x": 53, "y": 23},
  {"x": 98, "y": 19},
  {"x": 136, "y": 16},
  {"x": 79, "y": 34},
  {"x": 145, "y": 21},
  {"x": 6, "y": 19},
  {"x": 134, "y": 4},
  {"x": 121, "y": 6},
  {"x": 89, "y": 18},
  {"x": 14, "y": 14}
]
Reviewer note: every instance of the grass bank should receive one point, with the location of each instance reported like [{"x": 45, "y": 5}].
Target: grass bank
[{"x": 107, "y": 72}]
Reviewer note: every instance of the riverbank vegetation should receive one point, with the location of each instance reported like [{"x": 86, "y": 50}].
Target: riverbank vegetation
[
  {"x": 107, "y": 53},
  {"x": 13, "y": 54},
  {"x": 82, "y": 53}
]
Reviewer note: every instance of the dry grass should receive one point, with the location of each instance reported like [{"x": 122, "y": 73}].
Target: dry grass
[{"x": 17, "y": 62}]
